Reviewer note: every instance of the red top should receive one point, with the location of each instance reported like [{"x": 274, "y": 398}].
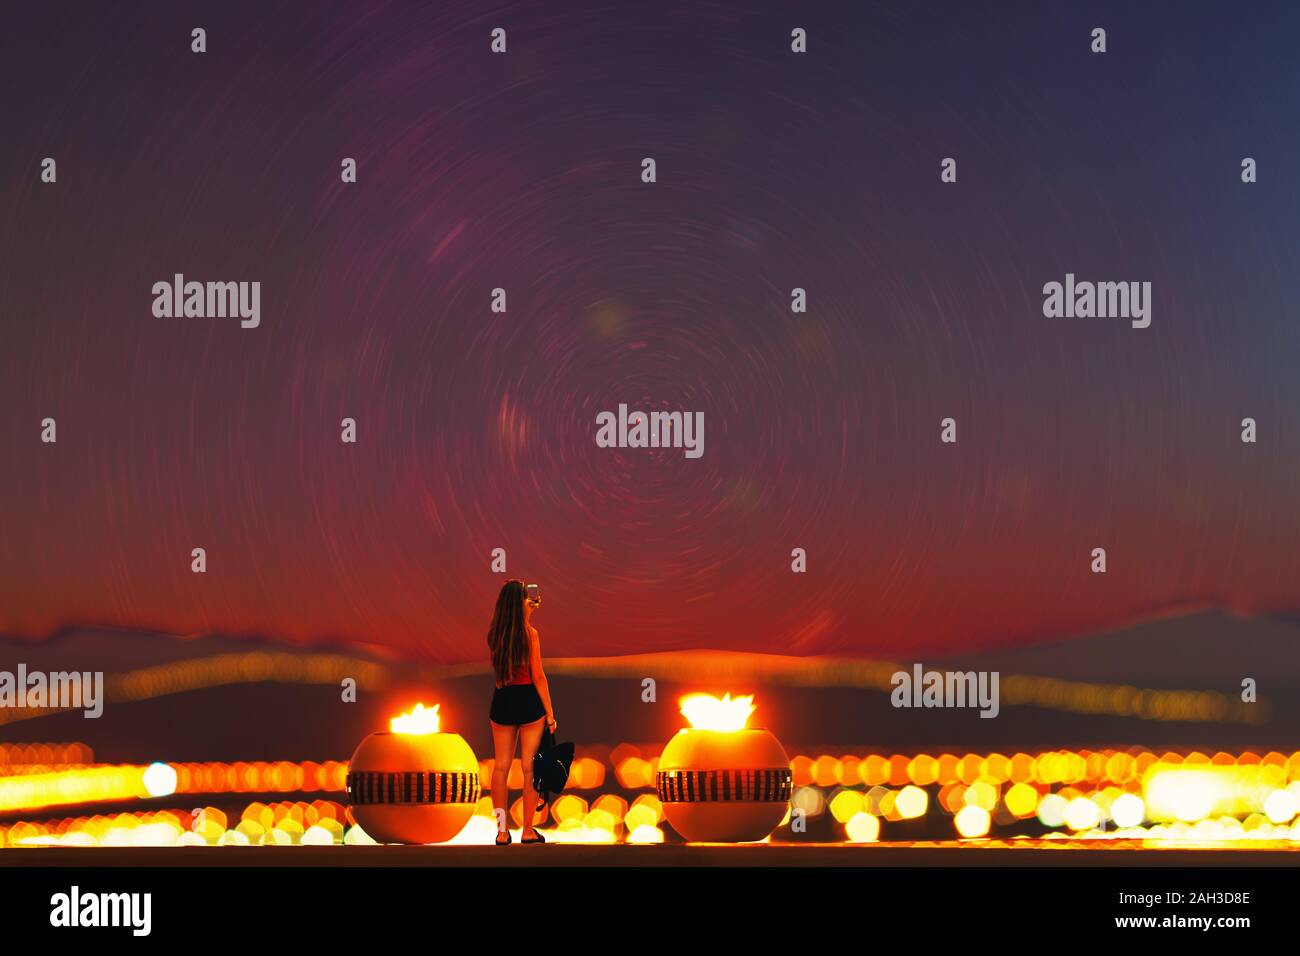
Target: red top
[{"x": 522, "y": 675}]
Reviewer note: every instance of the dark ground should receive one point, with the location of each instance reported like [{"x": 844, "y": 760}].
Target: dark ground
[{"x": 1036, "y": 853}]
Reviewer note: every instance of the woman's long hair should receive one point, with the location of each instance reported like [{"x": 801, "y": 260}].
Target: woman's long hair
[{"x": 507, "y": 637}]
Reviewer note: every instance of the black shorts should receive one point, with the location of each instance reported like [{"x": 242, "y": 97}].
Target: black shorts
[{"x": 516, "y": 704}]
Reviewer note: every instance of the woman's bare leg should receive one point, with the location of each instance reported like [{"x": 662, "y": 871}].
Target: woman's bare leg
[
  {"x": 530, "y": 736},
  {"x": 504, "y": 737}
]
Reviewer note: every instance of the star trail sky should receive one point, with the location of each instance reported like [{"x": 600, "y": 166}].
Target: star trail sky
[{"x": 521, "y": 171}]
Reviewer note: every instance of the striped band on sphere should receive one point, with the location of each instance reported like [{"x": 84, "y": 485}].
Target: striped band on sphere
[
  {"x": 373, "y": 786},
  {"x": 705, "y": 786}
]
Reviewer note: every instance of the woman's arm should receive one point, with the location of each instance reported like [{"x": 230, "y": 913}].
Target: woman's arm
[{"x": 539, "y": 675}]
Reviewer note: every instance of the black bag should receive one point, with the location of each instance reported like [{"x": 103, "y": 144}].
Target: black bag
[{"x": 551, "y": 767}]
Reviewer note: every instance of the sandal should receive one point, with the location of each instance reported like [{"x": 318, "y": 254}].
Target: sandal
[
  {"x": 537, "y": 838},
  {"x": 507, "y": 841}
]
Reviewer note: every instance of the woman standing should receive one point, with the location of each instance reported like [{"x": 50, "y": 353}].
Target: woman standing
[{"x": 521, "y": 702}]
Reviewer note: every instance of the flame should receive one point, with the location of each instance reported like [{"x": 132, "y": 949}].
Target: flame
[
  {"x": 416, "y": 722},
  {"x": 706, "y": 712}
]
